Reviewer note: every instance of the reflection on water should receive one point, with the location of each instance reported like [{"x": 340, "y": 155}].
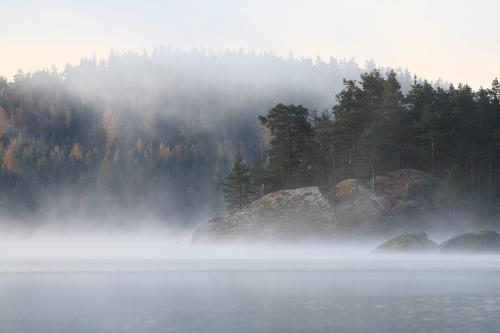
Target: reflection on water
[{"x": 355, "y": 294}]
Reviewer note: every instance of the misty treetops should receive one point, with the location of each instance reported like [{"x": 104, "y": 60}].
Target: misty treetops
[
  {"x": 373, "y": 129},
  {"x": 160, "y": 133}
]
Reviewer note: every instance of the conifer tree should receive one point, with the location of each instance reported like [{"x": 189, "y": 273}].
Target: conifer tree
[
  {"x": 290, "y": 161},
  {"x": 238, "y": 188}
]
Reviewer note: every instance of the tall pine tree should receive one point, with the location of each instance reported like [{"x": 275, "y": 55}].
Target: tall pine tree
[{"x": 292, "y": 146}]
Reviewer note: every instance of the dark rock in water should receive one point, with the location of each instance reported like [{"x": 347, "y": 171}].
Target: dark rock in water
[
  {"x": 288, "y": 215},
  {"x": 485, "y": 241},
  {"x": 408, "y": 243}
]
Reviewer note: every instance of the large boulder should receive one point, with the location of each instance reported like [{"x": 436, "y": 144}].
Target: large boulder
[
  {"x": 288, "y": 215},
  {"x": 408, "y": 243},
  {"x": 393, "y": 202},
  {"x": 406, "y": 188},
  {"x": 485, "y": 241},
  {"x": 357, "y": 209}
]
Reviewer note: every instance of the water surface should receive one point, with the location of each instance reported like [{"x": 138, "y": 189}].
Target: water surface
[{"x": 323, "y": 294}]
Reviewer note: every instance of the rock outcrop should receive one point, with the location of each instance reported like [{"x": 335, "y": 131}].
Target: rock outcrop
[
  {"x": 354, "y": 211},
  {"x": 393, "y": 202},
  {"x": 408, "y": 243},
  {"x": 485, "y": 241},
  {"x": 288, "y": 215}
]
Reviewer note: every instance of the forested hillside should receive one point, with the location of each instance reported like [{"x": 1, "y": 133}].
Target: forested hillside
[
  {"x": 146, "y": 133},
  {"x": 157, "y": 134},
  {"x": 373, "y": 128}
]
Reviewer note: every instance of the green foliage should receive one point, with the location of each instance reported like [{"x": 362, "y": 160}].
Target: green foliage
[
  {"x": 58, "y": 136},
  {"x": 374, "y": 129},
  {"x": 239, "y": 188},
  {"x": 291, "y": 152}
]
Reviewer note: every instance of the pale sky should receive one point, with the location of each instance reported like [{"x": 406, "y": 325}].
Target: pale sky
[{"x": 456, "y": 40}]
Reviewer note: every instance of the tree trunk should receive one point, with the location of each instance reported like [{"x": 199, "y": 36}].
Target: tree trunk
[
  {"x": 353, "y": 149},
  {"x": 374, "y": 160},
  {"x": 334, "y": 174},
  {"x": 290, "y": 154},
  {"x": 471, "y": 170},
  {"x": 351, "y": 168},
  {"x": 454, "y": 211},
  {"x": 433, "y": 155},
  {"x": 450, "y": 211},
  {"x": 490, "y": 176},
  {"x": 240, "y": 193},
  {"x": 283, "y": 169},
  {"x": 479, "y": 189}
]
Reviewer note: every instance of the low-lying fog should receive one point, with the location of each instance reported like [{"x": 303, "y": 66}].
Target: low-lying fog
[
  {"x": 153, "y": 280},
  {"x": 161, "y": 249}
]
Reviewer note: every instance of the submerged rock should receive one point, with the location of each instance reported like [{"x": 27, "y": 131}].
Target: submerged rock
[
  {"x": 408, "y": 243},
  {"x": 288, "y": 215},
  {"x": 485, "y": 241}
]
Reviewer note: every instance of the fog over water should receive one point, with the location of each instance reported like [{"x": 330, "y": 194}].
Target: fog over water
[
  {"x": 55, "y": 283},
  {"x": 152, "y": 279},
  {"x": 174, "y": 246}
]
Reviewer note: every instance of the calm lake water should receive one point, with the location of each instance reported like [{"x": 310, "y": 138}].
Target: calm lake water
[{"x": 369, "y": 294}]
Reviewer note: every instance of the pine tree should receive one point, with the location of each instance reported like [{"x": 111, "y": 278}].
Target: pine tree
[
  {"x": 258, "y": 177},
  {"x": 327, "y": 146},
  {"x": 290, "y": 158},
  {"x": 348, "y": 124},
  {"x": 239, "y": 190}
]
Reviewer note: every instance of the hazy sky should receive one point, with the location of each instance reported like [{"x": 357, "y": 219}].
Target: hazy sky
[{"x": 453, "y": 39}]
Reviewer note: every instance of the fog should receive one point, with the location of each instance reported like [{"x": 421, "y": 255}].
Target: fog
[
  {"x": 147, "y": 136},
  {"x": 159, "y": 248},
  {"x": 228, "y": 190},
  {"x": 152, "y": 279}
]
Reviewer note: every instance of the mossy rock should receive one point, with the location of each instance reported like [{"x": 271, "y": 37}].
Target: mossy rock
[
  {"x": 346, "y": 189},
  {"x": 485, "y": 241},
  {"x": 408, "y": 243}
]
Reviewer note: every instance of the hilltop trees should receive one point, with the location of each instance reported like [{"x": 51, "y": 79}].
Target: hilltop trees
[{"x": 119, "y": 143}]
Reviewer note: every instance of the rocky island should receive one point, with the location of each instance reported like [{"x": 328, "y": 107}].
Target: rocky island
[
  {"x": 394, "y": 206},
  {"x": 354, "y": 210}
]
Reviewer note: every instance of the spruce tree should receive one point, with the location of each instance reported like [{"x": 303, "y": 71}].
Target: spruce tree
[{"x": 238, "y": 188}]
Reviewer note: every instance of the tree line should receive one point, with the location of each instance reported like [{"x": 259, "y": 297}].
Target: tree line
[
  {"x": 153, "y": 133},
  {"x": 135, "y": 133},
  {"x": 373, "y": 128}
]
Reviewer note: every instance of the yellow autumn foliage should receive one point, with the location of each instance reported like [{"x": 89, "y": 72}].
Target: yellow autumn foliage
[
  {"x": 139, "y": 145},
  {"x": 10, "y": 163},
  {"x": 57, "y": 154},
  {"x": 164, "y": 152},
  {"x": 4, "y": 121},
  {"x": 40, "y": 163},
  {"x": 76, "y": 152},
  {"x": 110, "y": 126},
  {"x": 116, "y": 157}
]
